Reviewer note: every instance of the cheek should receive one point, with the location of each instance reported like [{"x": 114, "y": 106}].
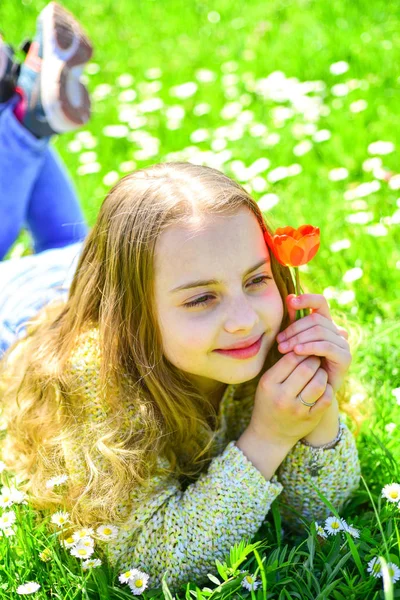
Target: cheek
[{"x": 180, "y": 336}]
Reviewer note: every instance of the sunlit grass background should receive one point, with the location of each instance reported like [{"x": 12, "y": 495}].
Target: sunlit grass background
[{"x": 307, "y": 88}]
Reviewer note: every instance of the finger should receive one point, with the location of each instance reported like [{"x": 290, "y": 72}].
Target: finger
[
  {"x": 300, "y": 377},
  {"x": 290, "y": 307},
  {"x": 314, "y": 389},
  {"x": 281, "y": 370},
  {"x": 329, "y": 350},
  {"x": 343, "y": 332},
  {"x": 314, "y": 334},
  {"x": 306, "y": 323},
  {"x": 324, "y": 401},
  {"x": 316, "y": 302}
]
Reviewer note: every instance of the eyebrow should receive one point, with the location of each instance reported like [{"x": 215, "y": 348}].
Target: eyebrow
[{"x": 204, "y": 283}]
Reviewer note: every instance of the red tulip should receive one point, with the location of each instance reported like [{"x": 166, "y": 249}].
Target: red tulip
[{"x": 294, "y": 247}]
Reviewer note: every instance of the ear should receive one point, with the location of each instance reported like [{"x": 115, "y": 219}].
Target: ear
[{"x": 291, "y": 310}]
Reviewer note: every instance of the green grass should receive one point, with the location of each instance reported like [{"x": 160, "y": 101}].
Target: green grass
[{"x": 251, "y": 40}]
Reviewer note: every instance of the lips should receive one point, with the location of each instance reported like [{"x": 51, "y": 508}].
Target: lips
[{"x": 244, "y": 344}]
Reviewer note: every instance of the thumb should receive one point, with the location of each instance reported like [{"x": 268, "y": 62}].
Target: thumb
[{"x": 290, "y": 308}]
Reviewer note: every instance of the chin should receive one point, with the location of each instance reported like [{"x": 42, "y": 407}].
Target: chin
[{"x": 238, "y": 379}]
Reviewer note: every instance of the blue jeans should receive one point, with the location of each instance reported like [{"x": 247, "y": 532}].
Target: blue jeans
[{"x": 35, "y": 192}]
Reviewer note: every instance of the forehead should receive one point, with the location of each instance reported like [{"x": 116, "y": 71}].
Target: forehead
[{"x": 209, "y": 247}]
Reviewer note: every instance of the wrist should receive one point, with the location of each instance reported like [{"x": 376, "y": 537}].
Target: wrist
[
  {"x": 327, "y": 430},
  {"x": 265, "y": 437}
]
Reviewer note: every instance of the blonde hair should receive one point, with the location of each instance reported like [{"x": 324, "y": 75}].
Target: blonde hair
[{"x": 113, "y": 290}]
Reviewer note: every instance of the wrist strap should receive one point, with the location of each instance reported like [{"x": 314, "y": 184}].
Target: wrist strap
[{"x": 329, "y": 445}]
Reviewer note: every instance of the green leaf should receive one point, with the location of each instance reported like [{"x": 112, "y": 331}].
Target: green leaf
[
  {"x": 222, "y": 569},
  {"x": 214, "y": 579},
  {"x": 165, "y": 588}
]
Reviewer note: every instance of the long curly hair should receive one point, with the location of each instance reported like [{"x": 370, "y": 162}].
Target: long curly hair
[{"x": 112, "y": 290}]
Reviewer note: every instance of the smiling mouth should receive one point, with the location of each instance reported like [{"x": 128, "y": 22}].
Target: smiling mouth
[{"x": 241, "y": 347}]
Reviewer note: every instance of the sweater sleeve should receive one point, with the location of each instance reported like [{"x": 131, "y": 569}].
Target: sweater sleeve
[
  {"x": 181, "y": 533},
  {"x": 335, "y": 472}
]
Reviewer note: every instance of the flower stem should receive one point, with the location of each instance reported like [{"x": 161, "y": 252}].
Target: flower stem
[{"x": 301, "y": 312}]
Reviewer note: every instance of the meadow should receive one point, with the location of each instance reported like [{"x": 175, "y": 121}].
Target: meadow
[{"x": 298, "y": 101}]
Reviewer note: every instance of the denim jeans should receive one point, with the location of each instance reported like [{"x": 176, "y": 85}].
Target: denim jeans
[{"x": 37, "y": 193}]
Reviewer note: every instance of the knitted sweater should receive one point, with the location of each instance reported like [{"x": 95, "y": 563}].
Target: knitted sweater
[{"x": 183, "y": 531}]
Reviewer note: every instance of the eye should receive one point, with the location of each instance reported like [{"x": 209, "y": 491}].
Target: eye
[{"x": 203, "y": 300}]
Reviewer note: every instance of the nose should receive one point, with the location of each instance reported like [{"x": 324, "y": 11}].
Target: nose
[{"x": 241, "y": 315}]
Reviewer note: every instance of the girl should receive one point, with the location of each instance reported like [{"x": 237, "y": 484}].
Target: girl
[{"x": 129, "y": 384}]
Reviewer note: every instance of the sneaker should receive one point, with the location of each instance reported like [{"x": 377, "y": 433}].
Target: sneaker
[
  {"x": 8, "y": 71},
  {"x": 54, "y": 100}
]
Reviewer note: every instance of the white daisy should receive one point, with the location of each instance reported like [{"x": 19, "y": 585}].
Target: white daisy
[
  {"x": 138, "y": 582},
  {"x": 250, "y": 582},
  {"x": 7, "y": 519},
  {"x": 333, "y": 525},
  {"x": 355, "y": 533},
  {"x": 81, "y": 551},
  {"x": 107, "y": 532},
  {"x": 28, "y": 588},
  {"x": 87, "y": 541},
  {"x": 374, "y": 567},
  {"x": 60, "y": 518},
  {"x": 350, "y": 529},
  {"x": 91, "y": 563},
  {"x": 124, "y": 577},
  {"x": 17, "y": 496},
  {"x": 68, "y": 542},
  {"x": 7, "y": 532},
  {"x": 320, "y": 530},
  {"x": 11, "y": 494},
  {"x": 391, "y": 492},
  {"x": 338, "y": 68},
  {"x": 381, "y": 147},
  {"x": 394, "y": 571},
  {"x": 5, "y": 500},
  {"x": 57, "y": 480},
  {"x": 82, "y": 533}
]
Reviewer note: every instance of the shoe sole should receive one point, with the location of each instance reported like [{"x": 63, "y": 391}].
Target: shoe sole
[
  {"x": 66, "y": 48},
  {"x": 3, "y": 59}
]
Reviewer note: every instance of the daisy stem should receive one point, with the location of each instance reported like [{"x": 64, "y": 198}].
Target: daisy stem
[{"x": 377, "y": 518}]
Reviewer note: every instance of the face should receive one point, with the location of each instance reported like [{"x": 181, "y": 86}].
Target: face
[{"x": 243, "y": 304}]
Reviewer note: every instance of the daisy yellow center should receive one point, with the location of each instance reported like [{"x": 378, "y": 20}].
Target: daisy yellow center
[
  {"x": 6, "y": 498},
  {"x": 82, "y": 551},
  {"x": 249, "y": 579},
  {"x": 69, "y": 540},
  {"x": 335, "y": 525},
  {"x": 61, "y": 519},
  {"x": 127, "y": 574},
  {"x": 391, "y": 571},
  {"x": 107, "y": 531},
  {"x": 394, "y": 494},
  {"x": 139, "y": 582}
]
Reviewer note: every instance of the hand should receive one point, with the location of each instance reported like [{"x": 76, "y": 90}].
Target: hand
[
  {"x": 278, "y": 415},
  {"x": 319, "y": 335}
]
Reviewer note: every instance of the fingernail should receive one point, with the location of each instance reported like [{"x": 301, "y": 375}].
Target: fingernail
[{"x": 296, "y": 300}]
